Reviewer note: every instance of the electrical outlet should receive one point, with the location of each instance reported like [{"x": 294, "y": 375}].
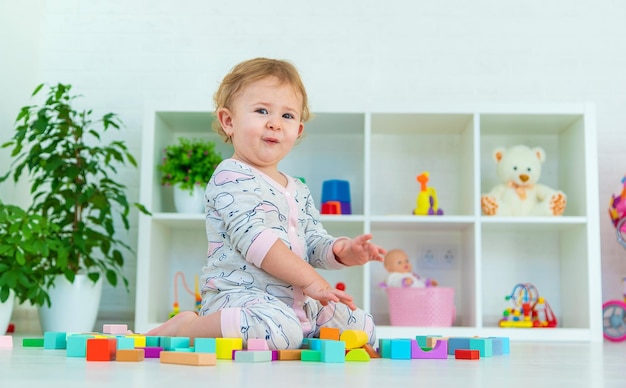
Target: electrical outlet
[
  {"x": 448, "y": 256},
  {"x": 428, "y": 258}
]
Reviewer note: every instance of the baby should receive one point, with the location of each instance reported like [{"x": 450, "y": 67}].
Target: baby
[{"x": 400, "y": 271}]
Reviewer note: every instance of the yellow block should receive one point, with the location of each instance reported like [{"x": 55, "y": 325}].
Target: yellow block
[
  {"x": 140, "y": 340},
  {"x": 357, "y": 355},
  {"x": 224, "y": 347},
  {"x": 354, "y": 338}
]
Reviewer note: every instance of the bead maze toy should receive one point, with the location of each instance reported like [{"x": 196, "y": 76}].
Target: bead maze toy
[
  {"x": 196, "y": 294},
  {"x": 426, "y": 203},
  {"x": 614, "y": 311},
  {"x": 529, "y": 309}
]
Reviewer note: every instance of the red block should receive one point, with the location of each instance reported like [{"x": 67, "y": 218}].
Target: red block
[
  {"x": 466, "y": 354},
  {"x": 101, "y": 349}
]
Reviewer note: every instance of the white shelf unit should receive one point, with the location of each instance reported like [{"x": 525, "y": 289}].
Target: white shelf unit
[{"x": 380, "y": 154}]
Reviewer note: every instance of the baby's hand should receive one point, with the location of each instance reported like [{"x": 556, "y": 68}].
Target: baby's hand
[
  {"x": 322, "y": 291},
  {"x": 357, "y": 251}
]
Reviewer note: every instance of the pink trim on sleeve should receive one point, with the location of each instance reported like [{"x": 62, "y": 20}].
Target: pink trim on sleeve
[
  {"x": 260, "y": 246},
  {"x": 331, "y": 259},
  {"x": 230, "y": 320}
]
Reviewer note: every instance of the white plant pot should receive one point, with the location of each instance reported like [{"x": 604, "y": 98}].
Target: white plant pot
[
  {"x": 189, "y": 201},
  {"x": 74, "y": 306},
  {"x": 6, "y": 310}
]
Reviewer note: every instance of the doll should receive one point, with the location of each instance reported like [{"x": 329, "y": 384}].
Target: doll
[{"x": 401, "y": 271}]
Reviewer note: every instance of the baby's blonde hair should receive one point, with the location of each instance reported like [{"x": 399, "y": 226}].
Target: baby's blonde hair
[{"x": 251, "y": 71}]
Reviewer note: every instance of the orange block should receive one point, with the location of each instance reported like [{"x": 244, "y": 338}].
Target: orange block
[
  {"x": 188, "y": 358},
  {"x": 329, "y": 333},
  {"x": 371, "y": 351},
  {"x": 130, "y": 355},
  {"x": 290, "y": 354},
  {"x": 101, "y": 349}
]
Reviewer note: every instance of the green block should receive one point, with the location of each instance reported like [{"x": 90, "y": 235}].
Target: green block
[
  {"x": 153, "y": 341},
  {"x": 384, "y": 347},
  {"x": 32, "y": 343},
  {"x": 171, "y": 343},
  {"x": 357, "y": 355},
  {"x": 311, "y": 355}
]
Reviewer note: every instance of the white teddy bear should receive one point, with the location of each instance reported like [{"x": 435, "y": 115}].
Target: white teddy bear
[{"x": 519, "y": 167}]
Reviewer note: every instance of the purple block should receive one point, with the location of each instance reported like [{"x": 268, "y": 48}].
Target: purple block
[
  {"x": 275, "y": 355},
  {"x": 152, "y": 351},
  {"x": 440, "y": 351}
]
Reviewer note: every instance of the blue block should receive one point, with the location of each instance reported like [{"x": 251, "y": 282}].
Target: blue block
[
  {"x": 500, "y": 345},
  {"x": 384, "y": 347},
  {"x": 153, "y": 341},
  {"x": 77, "y": 345},
  {"x": 315, "y": 343},
  {"x": 204, "y": 345},
  {"x": 333, "y": 351},
  {"x": 171, "y": 343},
  {"x": 125, "y": 342},
  {"x": 401, "y": 349},
  {"x": 336, "y": 190},
  {"x": 455, "y": 343},
  {"x": 54, "y": 340}
]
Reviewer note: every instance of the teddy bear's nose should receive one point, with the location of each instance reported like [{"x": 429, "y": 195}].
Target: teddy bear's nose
[{"x": 523, "y": 177}]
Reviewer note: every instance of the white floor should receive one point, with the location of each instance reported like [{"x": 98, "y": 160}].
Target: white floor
[{"x": 529, "y": 365}]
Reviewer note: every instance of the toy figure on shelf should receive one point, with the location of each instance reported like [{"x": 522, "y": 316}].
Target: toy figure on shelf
[
  {"x": 617, "y": 207},
  {"x": 196, "y": 294},
  {"x": 529, "y": 309},
  {"x": 401, "y": 271},
  {"x": 519, "y": 192},
  {"x": 426, "y": 203}
]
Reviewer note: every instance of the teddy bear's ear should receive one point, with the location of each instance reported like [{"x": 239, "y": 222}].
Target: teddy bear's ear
[
  {"x": 541, "y": 154},
  {"x": 498, "y": 154}
]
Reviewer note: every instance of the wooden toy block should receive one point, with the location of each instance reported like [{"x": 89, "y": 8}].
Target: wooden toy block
[
  {"x": 152, "y": 351},
  {"x": 153, "y": 341},
  {"x": 182, "y": 350},
  {"x": 466, "y": 354},
  {"x": 274, "y": 355},
  {"x": 253, "y": 356},
  {"x": 371, "y": 351},
  {"x": 114, "y": 329},
  {"x": 432, "y": 341},
  {"x": 101, "y": 349},
  {"x": 172, "y": 343},
  {"x": 400, "y": 349},
  {"x": 483, "y": 345},
  {"x": 182, "y": 358},
  {"x": 315, "y": 343},
  {"x": 354, "y": 338},
  {"x": 500, "y": 345},
  {"x": 204, "y": 345},
  {"x": 357, "y": 355},
  {"x": 6, "y": 341},
  {"x": 457, "y": 343},
  {"x": 125, "y": 343},
  {"x": 32, "y": 343},
  {"x": 54, "y": 340},
  {"x": 305, "y": 343},
  {"x": 257, "y": 344},
  {"x": 77, "y": 345},
  {"x": 384, "y": 347},
  {"x": 333, "y": 351},
  {"x": 439, "y": 352},
  {"x": 224, "y": 347},
  {"x": 308, "y": 355},
  {"x": 130, "y": 355},
  {"x": 140, "y": 340},
  {"x": 290, "y": 354},
  {"x": 330, "y": 333}
]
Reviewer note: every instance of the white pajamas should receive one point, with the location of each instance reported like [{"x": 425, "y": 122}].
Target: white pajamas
[{"x": 246, "y": 213}]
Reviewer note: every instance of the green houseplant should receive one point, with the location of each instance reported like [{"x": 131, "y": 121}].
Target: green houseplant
[
  {"x": 188, "y": 166},
  {"x": 24, "y": 240},
  {"x": 72, "y": 177}
]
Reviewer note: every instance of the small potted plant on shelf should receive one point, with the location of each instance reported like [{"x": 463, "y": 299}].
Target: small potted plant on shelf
[
  {"x": 188, "y": 166},
  {"x": 72, "y": 174}
]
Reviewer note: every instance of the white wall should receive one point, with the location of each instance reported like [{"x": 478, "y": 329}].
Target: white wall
[{"x": 354, "y": 55}]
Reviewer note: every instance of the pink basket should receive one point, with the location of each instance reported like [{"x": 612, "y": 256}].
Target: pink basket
[{"x": 432, "y": 306}]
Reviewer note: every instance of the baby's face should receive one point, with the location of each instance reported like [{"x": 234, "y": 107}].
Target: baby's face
[{"x": 397, "y": 262}]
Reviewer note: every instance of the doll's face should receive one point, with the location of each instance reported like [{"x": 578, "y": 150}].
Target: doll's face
[{"x": 397, "y": 261}]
